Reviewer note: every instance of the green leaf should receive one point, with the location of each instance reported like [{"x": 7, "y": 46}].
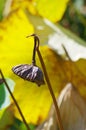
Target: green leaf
[
  {"x": 32, "y": 126},
  {"x": 19, "y": 125},
  {"x": 4, "y": 94}
]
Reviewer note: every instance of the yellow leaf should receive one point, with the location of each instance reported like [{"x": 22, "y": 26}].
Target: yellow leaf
[
  {"x": 13, "y": 42},
  {"x": 23, "y": 4},
  {"x": 16, "y": 49},
  {"x": 52, "y": 10}
]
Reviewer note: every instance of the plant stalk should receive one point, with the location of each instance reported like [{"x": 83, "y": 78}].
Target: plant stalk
[
  {"x": 49, "y": 85},
  {"x": 21, "y": 114},
  {"x": 34, "y": 53},
  {"x": 36, "y": 48},
  {"x": 51, "y": 91}
]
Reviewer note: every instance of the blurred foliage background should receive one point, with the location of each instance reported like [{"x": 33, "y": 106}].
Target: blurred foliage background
[{"x": 74, "y": 17}]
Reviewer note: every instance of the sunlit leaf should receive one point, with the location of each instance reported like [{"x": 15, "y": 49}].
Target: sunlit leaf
[
  {"x": 12, "y": 51},
  {"x": 53, "y": 10},
  {"x": 19, "y": 29},
  {"x": 16, "y": 4}
]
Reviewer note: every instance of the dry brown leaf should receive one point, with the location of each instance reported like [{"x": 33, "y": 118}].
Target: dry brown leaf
[{"x": 72, "y": 108}]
